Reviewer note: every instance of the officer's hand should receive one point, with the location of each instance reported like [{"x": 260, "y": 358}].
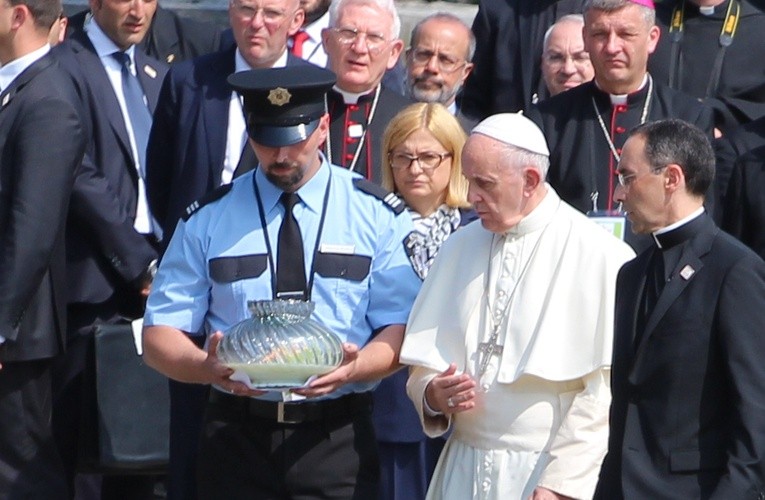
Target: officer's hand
[
  {"x": 451, "y": 393},
  {"x": 336, "y": 378},
  {"x": 221, "y": 373}
]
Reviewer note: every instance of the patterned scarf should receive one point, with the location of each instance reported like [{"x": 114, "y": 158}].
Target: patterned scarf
[{"x": 428, "y": 235}]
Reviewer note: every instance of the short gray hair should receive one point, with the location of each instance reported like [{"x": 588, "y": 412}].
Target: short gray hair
[
  {"x": 649, "y": 15},
  {"x": 445, "y": 16},
  {"x": 519, "y": 158},
  {"x": 569, "y": 18},
  {"x": 386, "y": 5}
]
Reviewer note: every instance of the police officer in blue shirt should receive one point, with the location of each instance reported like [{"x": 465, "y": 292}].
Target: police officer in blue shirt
[{"x": 348, "y": 235}]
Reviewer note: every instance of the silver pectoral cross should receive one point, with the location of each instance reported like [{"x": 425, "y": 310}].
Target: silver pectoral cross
[{"x": 486, "y": 350}]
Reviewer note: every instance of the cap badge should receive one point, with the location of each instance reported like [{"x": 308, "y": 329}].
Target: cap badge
[{"x": 279, "y": 96}]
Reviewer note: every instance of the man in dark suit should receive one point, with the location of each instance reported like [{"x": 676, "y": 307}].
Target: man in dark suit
[
  {"x": 111, "y": 236},
  {"x": 688, "y": 380},
  {"x": 42, "y": 142},
  {"x": 198, "y": 136}
]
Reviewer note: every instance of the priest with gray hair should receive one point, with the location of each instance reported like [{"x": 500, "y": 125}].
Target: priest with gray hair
[{"x": 513, "y": 352}]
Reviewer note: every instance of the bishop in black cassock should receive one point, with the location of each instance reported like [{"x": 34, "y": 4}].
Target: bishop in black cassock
[{"x": 725, "y": 67}]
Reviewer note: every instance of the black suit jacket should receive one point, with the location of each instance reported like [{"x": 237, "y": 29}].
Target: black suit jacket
[
  {"x": 687, "y": 413},
  {"x": 187, "y": 145},
  {"x": 42, "y": 142},
  {"x": 105, "y": 254}
]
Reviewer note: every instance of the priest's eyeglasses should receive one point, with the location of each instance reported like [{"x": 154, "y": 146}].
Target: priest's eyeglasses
[
  {"x": 558, "y": 60},
  {"x": 446, "y": 63},
  {"x": 626, "y": 179},
  {"x": 375, "y": 42},
  {"x": 427, "y": 161}
]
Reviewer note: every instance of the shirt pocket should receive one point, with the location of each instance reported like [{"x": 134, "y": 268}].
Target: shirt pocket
[
  {"x": 234, "y": 283},
  {"x": 347, "y": 279}
]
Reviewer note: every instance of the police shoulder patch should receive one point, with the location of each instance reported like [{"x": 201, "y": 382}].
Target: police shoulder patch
[
  {"x": 210, "y": 197},
  {"x": 391, "y": 200}
]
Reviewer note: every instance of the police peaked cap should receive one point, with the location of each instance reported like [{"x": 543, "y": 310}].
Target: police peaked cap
[{"x": 283, "y": 105}]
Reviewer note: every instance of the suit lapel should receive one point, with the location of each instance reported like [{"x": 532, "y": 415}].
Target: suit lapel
[
  {"x": 215, "y": 111},
  {"x": 150, "y": 74},
  {"x": 25, "y": 77},
  {"x": 683, "y": 274},
  {"x": 94, "y": 70}
]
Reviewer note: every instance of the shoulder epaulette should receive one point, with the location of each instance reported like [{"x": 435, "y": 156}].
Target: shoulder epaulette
[
  {"x": 391, "y": 200},
  {"x": 208, "y": 198}
]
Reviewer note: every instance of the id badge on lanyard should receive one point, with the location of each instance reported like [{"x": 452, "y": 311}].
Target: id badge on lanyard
[{"x": 613, "y": 221}]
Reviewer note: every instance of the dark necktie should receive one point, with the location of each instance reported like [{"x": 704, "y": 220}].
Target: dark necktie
[
  {"x": 290, "y": 264},
  {"x": 298, "y": 39},
  {"x": 140, "y": 117}
]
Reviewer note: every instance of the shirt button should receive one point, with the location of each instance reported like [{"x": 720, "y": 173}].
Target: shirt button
[
  {"x": 620, "y": 130},
  {"x": 350, "y": 140},
  {"x": 619, "y": 150},
  {"x": 621, "y": 108},
  {"x": 349, "y": 157},
  {"x": 353, "y": 107}
]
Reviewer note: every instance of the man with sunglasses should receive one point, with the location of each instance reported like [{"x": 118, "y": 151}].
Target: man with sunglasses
[
  {"x": 362, "y": 42},
  {"x": 688, "y": 380}
]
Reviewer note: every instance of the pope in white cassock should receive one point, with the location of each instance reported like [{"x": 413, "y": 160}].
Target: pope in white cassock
[{"x": 510, "y": 337}]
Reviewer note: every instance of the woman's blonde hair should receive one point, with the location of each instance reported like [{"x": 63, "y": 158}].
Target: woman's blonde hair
[{"x": 445, "y": 128}]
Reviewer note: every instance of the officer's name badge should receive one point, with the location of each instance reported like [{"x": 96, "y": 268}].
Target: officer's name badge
[
  {"x": 279, "y": 96},
  {"x": 338, "y": 249}
]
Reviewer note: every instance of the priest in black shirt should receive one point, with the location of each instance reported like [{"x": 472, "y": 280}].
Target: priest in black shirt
[{"x": 587, "y": 126}]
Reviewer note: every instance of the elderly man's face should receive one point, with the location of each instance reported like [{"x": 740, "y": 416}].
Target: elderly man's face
[
  {"x": 642, "y": 194},
  {"x": 290, "y": 167},
  {"x": 565, "y": 63},
  {"x": 619, "y": 43},
  {"x": 360, "y": 47},
  {"x": 496, "y": 186},
  {"x": 261, "y": 28},
  {"x": 125, "y": 22},
  {"x": 437, "y": 64}
]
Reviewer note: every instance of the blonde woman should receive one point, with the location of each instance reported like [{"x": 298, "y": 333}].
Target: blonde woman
[{"x": 422, "y": 148}]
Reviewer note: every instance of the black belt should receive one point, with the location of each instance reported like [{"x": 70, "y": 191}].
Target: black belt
[{"x": 292, "y": 413}]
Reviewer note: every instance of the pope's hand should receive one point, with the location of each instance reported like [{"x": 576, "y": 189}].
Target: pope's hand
[
  {"x": 541, "y": 493},
  {"x": 220, "y": 373},
  {"x": 335, "y": 379},
  {"x": 451, "y": 393}
]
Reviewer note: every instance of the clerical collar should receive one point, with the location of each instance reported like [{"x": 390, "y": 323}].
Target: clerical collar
[
  {"x": 241, "y": 64},
  {"x": 679, "y": 231},
  {"x": 707, "y": 10},
  {"x": 351, "y": 97},
  {"x": 539, "y": 217},
  {"x": 617, "y": 99}
]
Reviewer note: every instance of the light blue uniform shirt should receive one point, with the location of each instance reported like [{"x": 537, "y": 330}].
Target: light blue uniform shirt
[{"x": 186, "y": 296}]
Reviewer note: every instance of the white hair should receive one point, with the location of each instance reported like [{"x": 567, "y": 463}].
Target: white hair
[{"x": 386, "y": 5}]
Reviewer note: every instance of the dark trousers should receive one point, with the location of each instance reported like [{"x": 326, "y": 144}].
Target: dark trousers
[
  {"x": 30, "y": 467},
  {"x": 243, "y": 456}
]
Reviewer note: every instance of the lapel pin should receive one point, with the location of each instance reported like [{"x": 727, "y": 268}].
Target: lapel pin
[
  {"x": 6, "y": 98},
  {"x": 687, "y": 272},
  {"x": 150, "y": 71},
  {"x": 170, "y": 58}
]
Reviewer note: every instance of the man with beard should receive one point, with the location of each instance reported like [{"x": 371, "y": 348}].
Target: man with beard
[
  {"x": 438, "y": 62},
  {"x": 297, "y": 227}
]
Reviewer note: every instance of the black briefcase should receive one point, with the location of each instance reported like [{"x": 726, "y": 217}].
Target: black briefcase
[{"x": 129, "y": 425}]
